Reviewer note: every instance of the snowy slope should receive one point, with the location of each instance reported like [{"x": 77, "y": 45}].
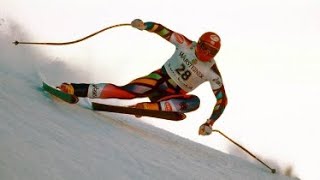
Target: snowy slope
[{"x": 44, "y": 138}]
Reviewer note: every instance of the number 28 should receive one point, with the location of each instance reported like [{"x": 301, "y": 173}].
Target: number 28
[{"x": 185, "y": 74}]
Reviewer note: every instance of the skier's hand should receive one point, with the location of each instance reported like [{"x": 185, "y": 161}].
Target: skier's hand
[
  {"x": 206, "y": 128},
  {"x": 138, "y": 23}
]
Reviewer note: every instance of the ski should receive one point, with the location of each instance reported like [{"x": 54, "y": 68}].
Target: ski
[
  {"x": 169, "y": 115},
  {"x": 59, "y": 94}
]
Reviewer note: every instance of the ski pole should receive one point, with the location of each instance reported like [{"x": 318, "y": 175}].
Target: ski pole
[
  {"x": 244, "y": 149},
  {"x": 70, "y": 42}
]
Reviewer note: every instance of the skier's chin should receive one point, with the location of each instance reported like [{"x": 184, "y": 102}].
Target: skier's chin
[{"x": 204, "y": 58}]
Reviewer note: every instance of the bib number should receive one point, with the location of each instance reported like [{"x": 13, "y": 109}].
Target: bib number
[{"x": 185, "y": 74}]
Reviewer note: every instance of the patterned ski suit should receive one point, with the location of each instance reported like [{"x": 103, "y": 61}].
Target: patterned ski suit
[{"x": 168, "y": 86}]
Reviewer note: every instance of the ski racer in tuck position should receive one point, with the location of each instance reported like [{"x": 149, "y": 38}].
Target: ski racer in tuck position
[{"x": 167, "y": 88}]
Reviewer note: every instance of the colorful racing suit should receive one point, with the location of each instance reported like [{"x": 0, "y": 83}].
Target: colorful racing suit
[{"x": 167, "y": 87}]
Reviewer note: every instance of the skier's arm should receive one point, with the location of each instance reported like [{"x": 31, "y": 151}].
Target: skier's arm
[
  {"x": 164, "y": 32},
  {"x": 220, "y": 94}
]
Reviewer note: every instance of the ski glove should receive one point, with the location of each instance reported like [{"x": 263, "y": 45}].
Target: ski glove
[
  {"x": 206, "y": 128},
  {"x": 138, "y": 23}
]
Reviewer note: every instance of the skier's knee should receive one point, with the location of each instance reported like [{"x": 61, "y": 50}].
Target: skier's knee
[
  {"x": 185, "y": 103},
  {"x": 192, "y": 103}
]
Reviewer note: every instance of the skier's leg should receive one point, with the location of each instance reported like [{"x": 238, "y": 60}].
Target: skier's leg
[
  {"x": 178, "y": 103},
  {"x": 102, "y": 91},
  {"x": 141, "y": 87}
]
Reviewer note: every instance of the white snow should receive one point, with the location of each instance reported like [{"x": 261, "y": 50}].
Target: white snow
[{"x": 42, "y": 137}]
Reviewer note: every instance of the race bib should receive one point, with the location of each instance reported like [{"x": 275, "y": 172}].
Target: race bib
[{"x": 186, "y": 70}]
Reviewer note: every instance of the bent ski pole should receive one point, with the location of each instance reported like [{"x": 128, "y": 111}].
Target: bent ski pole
[
  {"x": 244, "y": 149},
  {"x": 70, "y": 42}
]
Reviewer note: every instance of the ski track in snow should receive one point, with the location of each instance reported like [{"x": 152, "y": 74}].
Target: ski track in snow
[{"x": 42, "y": 137}]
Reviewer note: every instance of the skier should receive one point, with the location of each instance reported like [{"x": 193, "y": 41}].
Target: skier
[{"x": 167, "y": 88}]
